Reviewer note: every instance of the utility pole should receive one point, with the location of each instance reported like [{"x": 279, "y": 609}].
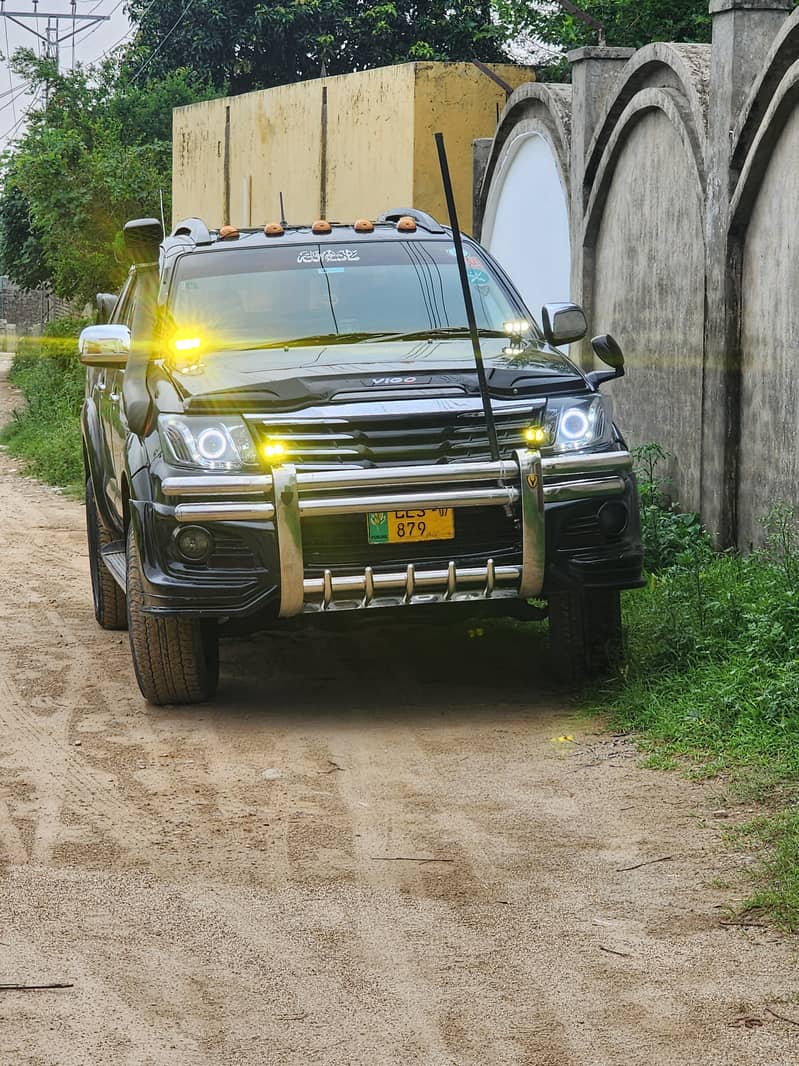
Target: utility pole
[{"x": 52, "y": 38}]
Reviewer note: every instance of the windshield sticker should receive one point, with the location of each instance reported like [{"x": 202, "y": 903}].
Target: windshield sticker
[
  {"x": 478, "y": 277},
  {"x": 471, "y": 260},
  {"x": 329, "y": 255}
]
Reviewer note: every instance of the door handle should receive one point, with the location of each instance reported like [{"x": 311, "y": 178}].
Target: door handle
[
  {"x": 100, "y": 386},
  {"x": 113, "y": 397}
]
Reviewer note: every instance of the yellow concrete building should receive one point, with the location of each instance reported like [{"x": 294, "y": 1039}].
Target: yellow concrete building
[{"x": 341, "y": 148}]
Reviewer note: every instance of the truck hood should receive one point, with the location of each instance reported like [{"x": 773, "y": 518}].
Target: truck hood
[{"x": 292, "y": 378}]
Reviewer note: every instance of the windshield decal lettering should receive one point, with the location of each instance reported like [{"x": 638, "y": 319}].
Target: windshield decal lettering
[{"x": 329, "y": 255}]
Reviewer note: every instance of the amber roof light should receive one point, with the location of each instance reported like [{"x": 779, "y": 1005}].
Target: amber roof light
[
  {"x": 407, "y": 224},
  {"x": 228, "y": 233},
  {"x": 273, "y": 229},
  {"x": 321, "y": 226},
  {"x": 363, "y": 225}
]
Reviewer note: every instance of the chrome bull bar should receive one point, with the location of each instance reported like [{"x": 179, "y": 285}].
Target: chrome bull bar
[{"x": 524, "y": 484}]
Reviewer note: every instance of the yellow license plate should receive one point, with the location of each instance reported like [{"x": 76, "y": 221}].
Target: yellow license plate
[{"x": 404, "y": 527}]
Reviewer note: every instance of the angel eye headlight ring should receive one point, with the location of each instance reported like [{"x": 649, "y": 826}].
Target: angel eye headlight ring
[
  {"x": 212, "y": 443},
  {"x": 574, "y": 424}
]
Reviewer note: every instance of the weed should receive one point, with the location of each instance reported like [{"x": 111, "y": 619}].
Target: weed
[
  {"x": 46, "y": 432},
  {"x": 667, "y": 532}
]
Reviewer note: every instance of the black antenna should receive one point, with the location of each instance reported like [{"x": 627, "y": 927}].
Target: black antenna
[
  {"x": 467, "y": 297},
  {"x": 283, "y": 222}
]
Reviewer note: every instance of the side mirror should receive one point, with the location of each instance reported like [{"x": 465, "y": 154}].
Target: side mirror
[
  {"x": 105, "y": 303},
  {"x": 563, "y": 323},
  {"x": 105, "y": 346},
  {"x": 607, "y": 349}
]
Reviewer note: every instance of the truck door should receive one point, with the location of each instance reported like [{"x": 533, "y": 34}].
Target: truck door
[{"x": 108, "y": 405}]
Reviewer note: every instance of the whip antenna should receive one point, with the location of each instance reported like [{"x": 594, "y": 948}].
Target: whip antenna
[{"x": 467, "y": 298}]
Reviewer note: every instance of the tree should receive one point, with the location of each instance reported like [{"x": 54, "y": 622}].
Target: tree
[
  {"x": 628, "y": 23},
  {"x": 95, "y": 155},
  {"x": 247, "y": 44}
]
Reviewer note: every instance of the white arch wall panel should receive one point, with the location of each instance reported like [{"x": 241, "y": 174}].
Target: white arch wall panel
[
  {"x": 526, "y": 223},
  {"x": 649, "y": 291},
  {"x": 769, "y": 457}
]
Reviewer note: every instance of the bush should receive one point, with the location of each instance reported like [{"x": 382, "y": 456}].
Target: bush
[
  {"x": 712, "y": 672},
  {"x": 46, "y": 432},
  {"x": 666, "y": 531}
]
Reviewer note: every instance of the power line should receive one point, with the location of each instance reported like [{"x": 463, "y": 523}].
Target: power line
[
  {"x": 148, "y": 61},
  {"x": 19, "y": 90},
  {"x": 10, "y": 133},
  {"x": 51, "y": 39},
  {"x": 87, "y": 31},
  {"x": 8, "y": 60}
]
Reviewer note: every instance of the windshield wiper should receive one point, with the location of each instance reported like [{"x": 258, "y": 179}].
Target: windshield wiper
[
  {"x": 440, "y": 331},
  {"x": 320, "y": 338},
  {"x": 357, "y": 338}
]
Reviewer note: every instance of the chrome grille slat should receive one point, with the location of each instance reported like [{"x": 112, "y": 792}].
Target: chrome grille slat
[{"x": 424, "y": 438}]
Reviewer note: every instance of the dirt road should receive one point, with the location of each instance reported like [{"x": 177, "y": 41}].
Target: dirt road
[{"x": 370, "y": 851}]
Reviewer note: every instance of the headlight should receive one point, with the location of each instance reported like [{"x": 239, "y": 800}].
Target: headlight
[
  {"x": 208, "y": 443},
  {"x": 579, "y": 424}
]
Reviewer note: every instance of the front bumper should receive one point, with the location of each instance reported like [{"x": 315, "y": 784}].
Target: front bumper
[{"x": 535, "y": 494}]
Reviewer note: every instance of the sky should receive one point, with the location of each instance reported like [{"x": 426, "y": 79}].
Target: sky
[{"x": 92, "y": 41}]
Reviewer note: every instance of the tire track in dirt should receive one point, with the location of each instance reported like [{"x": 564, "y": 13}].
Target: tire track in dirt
[{"x": 211, "y": 879}]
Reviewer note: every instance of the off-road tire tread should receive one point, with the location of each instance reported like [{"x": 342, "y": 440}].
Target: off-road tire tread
[
  {"x": 585, "y": 633},
  {"x": 175, "y": 658},
  {"x": 110, "y": 608}
]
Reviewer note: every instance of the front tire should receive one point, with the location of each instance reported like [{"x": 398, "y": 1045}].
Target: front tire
[
  {"x": 585, "y": 632},
  {"x": 109, "y": 599},
  {"x": 176, "y": 659}
]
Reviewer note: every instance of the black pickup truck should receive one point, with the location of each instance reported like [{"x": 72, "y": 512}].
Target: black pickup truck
[{"x": 287, "y": 422}]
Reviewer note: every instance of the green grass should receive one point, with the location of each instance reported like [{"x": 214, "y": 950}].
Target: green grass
[
  {"x": 711, "y": 682},
  {"x": 778, "y": 893},
  {"x": 45, "y": 431}
]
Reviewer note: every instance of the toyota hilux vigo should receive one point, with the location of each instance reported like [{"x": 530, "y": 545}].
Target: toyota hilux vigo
[{"x": 285, "y": 424}]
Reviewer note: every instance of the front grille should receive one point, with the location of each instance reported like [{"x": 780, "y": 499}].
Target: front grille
[
  {"x": 341, "y": 541},
  {"x": 440, "y": 437}
]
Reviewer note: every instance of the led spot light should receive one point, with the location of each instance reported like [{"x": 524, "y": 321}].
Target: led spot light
[
  {"x": 273, "y": 449},
  {"x": 516, "y": 327},
  {"x": 186, "y": 344},
  {"x": 536, "y": 435}
]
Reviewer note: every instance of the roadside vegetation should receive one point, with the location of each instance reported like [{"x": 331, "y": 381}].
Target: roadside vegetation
[
  {"x": 711, "y": 681},
  {"x": 45, "y": 430}
]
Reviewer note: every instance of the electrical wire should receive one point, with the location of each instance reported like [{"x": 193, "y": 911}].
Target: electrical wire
[
  {"x": 19, "y": 90},
  {"x": 180, "y": 18},
  {"x": 125, "y": 36},
  {"x": 87, "y": 31},
  {"x": 8, "y": 60},
  {"x": 10, "y": 133}
]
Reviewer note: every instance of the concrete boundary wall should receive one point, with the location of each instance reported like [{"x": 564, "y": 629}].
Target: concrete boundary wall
[{"x": 680, "y": 166}]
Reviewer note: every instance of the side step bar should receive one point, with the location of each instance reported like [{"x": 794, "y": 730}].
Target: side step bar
[{"x": 116, "y": 563}]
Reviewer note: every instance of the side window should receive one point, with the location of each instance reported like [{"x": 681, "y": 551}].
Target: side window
[{"x": 124, "y": 307}]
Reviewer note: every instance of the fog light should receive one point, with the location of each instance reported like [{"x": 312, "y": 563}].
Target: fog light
[
  {"x": 613, "y": 518},
  {"x": 194, "y": 543},
  {"x": 536, "y": 435}
]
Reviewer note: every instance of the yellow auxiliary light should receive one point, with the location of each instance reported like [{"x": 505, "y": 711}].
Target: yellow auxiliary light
[
  {"x": 273, "y": 449},
  {"x": 536, "y": 435},
  {"x": 186, "y": 344}
]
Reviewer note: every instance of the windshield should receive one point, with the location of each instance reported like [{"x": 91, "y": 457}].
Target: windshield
[{"x": 332, "y": 293}]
